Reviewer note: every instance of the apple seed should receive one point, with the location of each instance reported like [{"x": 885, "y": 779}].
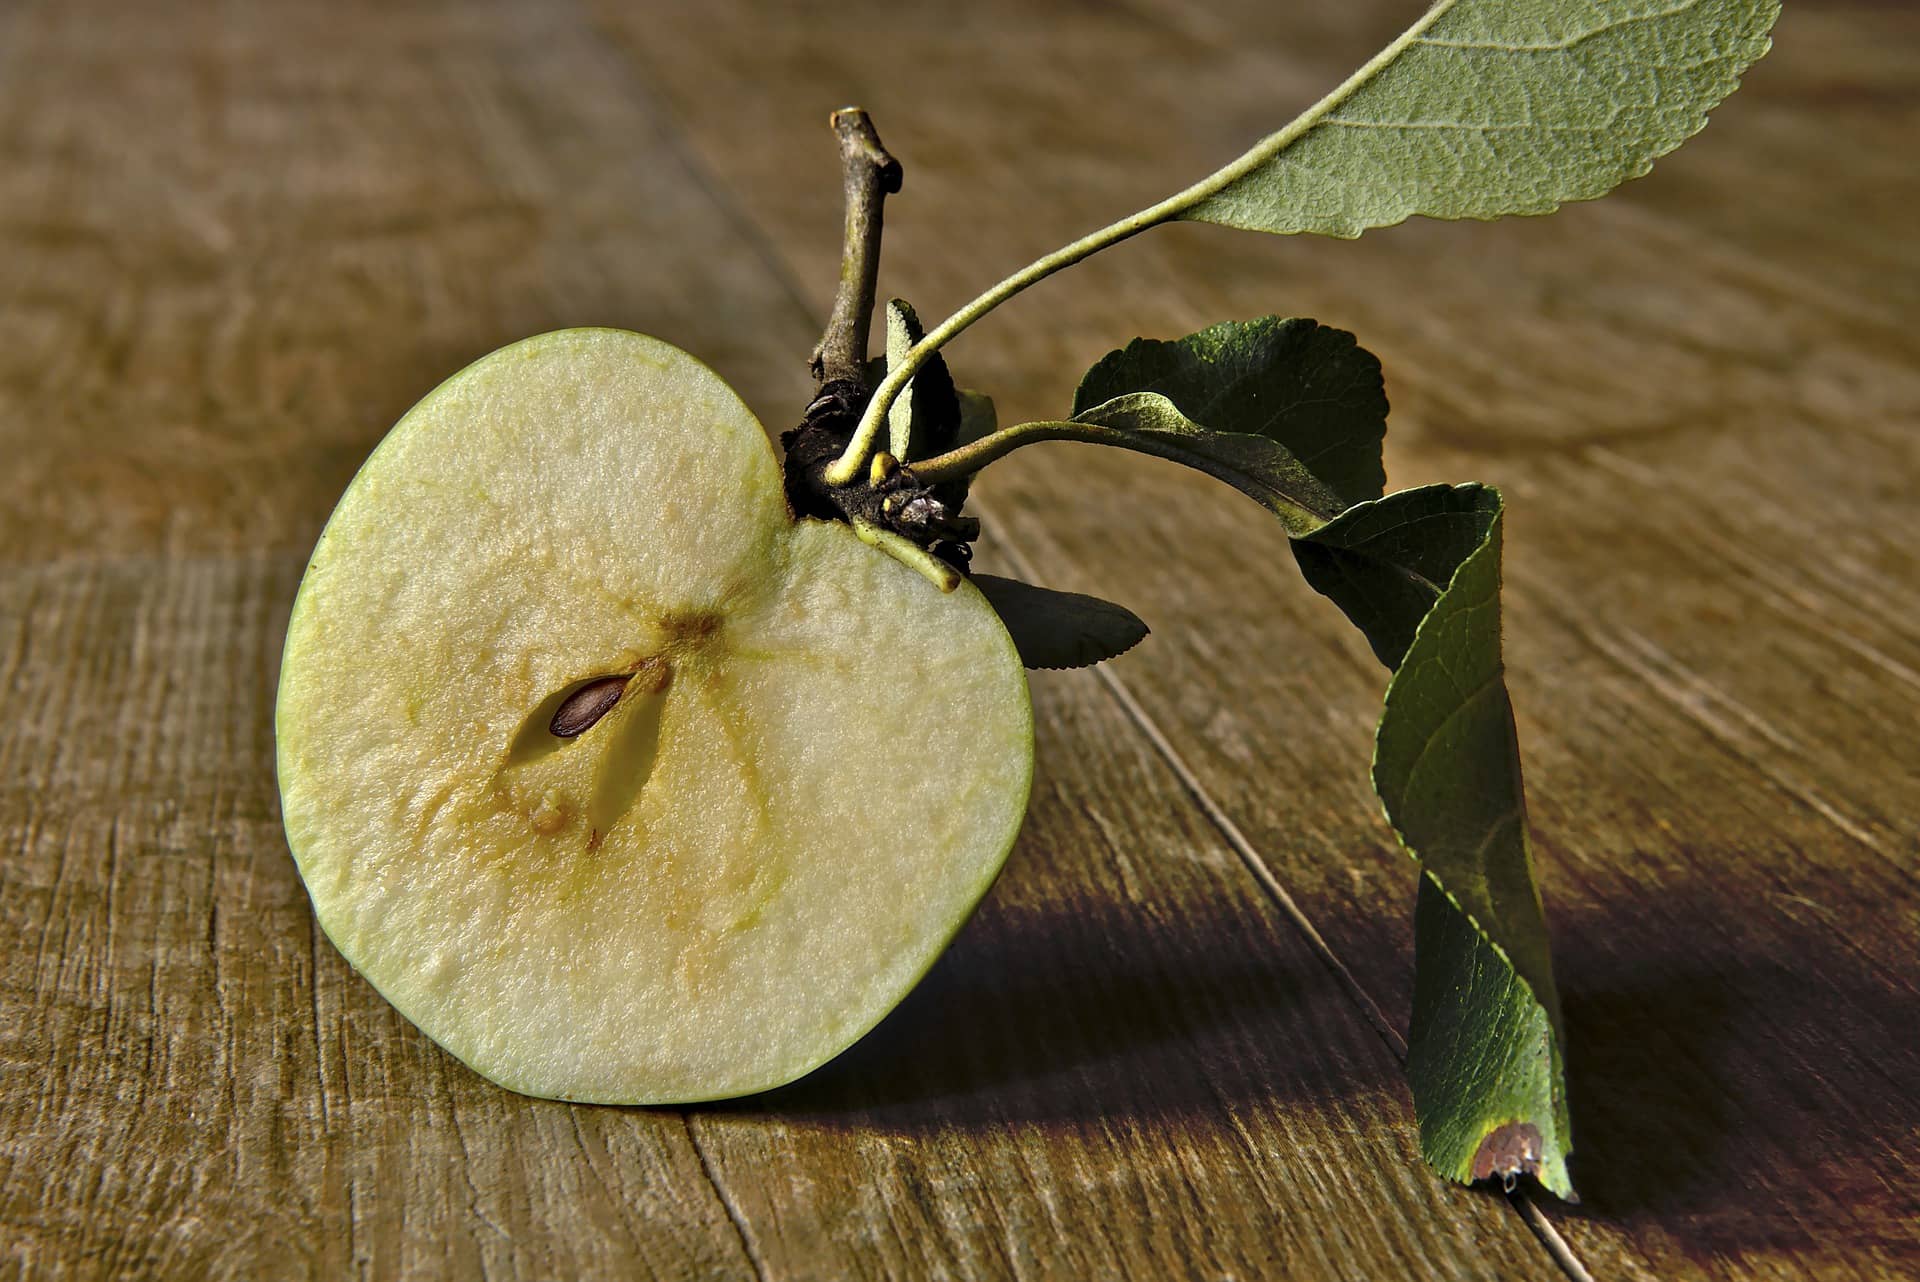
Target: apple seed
[{"x": 587, "y": 705}]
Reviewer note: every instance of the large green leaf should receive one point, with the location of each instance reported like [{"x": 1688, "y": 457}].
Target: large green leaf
[
  {"x": 1419, "y": 573},
  {"x": 1306, "y": 385},
  {"x": 1492, "y": 107}
]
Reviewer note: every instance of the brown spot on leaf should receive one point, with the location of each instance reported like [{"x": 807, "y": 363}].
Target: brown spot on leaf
[{"x": 1509, "y": 1151}]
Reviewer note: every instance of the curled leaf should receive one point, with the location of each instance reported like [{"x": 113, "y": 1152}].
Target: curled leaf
[{"x": 1419, "y": 573}]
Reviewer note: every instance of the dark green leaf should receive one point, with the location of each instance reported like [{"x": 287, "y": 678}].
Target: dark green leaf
[
  {"x": 1385, "y": 563},
  {"x": 1419, "y": 573},
  {"x": 1305, "y": 385},
  {"x": 1060, "y": 629}
]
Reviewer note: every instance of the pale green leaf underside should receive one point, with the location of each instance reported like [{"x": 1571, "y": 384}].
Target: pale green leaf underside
[
  {"x": 1054, "y": 629},
  {"x": 1492, "y": 107},
  {"x": 903, "y": 331},
  {"x": 929, "y": 413},
  {"x": 1258, "y": 466},
  {"x": 1419, "y": 573}
]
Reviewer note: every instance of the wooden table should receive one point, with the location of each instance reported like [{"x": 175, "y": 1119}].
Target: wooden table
[{"x": 236, "y": 241}]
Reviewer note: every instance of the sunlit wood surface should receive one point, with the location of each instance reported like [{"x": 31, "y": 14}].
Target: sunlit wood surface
[{"x": 237, "y": 240}]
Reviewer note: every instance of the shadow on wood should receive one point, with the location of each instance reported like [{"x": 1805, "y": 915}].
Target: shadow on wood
[
  {"x": 1680, "y": 1114},
  {"x": 1082, "y": 1014}
]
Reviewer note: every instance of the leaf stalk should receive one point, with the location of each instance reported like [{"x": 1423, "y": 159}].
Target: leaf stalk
[{"x": 970, "y": 458}]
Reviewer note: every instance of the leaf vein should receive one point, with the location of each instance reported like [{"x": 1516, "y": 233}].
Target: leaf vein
[{"x": 1557, "y": 46}]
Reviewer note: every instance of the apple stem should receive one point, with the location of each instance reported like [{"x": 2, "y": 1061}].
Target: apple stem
[
  {"x": 908, "y": 553},
  {"x": 869, "y": 174}
]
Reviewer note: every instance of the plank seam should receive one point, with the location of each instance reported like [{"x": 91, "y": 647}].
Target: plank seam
[
  {"x": 734, "y": 1216},
  {"x": 1556, "y": 1246}
]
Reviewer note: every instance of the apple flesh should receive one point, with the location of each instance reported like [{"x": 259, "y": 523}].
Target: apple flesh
[{"x": 813, "y": 770}]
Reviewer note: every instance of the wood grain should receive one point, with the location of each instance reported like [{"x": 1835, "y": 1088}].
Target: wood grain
[
  {"x": 1704, "y": 426},
  {"x": 236, "y": 243}
]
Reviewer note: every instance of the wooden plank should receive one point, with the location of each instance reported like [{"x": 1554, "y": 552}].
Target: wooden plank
[
  {"x": 231, "y": 266},
  {"x": 194, "y": 1084},
  {"x": 1704, "y": 435},
  {"x": 236, "y": 246}
]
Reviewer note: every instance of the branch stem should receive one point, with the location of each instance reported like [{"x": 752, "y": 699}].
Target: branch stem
[{"x": 869, "y": 174}]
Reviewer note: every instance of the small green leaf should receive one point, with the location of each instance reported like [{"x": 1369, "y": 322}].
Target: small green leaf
[
  {"x": 903, "y": 331},
  {"x": 1308, "y": 386},
  {"x": 1419, "y": 573},
  {"x": 925, "y": 419},
  {"x": 1060, "y": 629},
  {"x": 1258, "y": 466},
  {"x": 1493, "y": 107}
]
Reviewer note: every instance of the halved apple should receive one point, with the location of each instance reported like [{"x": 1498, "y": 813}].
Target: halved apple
[{"x": 802, "y": 765}]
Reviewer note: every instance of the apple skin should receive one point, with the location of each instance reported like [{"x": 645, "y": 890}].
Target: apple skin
[{"x": 816, "y": 769}]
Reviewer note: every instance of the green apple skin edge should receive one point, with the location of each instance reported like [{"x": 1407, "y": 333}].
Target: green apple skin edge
[{"x": 814, "y": 770}]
